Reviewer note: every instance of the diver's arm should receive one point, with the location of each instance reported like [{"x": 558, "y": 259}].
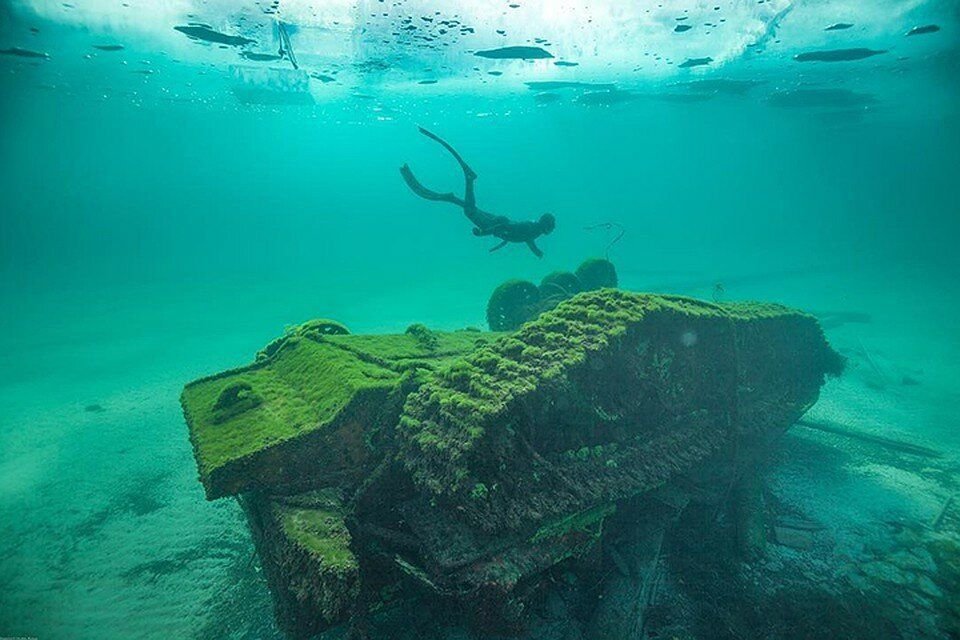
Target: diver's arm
[
  {"x": 533, "y": 247},
  {"x": 502, "y": 244}
]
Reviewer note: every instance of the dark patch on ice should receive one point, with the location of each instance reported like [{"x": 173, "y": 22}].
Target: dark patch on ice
[
  {"x": 821, "y": 98},
  {"x": 927, "y": 28},
  {"x": 680, "y": 28},
  {"x": 695, "y": 62},
  {"x": 24, "y": 53},
  {"x": 683, "y": 98},
  {"x": 546, "y": 97},
  {"x": 564, "y": 63},
  {"x": 607, "y": 98},
  {"x": 839, "y": 26},
  {"x": 515, "y": 53},
  {"x": 722, "y": 85},
  {"x": 94, "y": 408},
  {"x": 260, "y": 57},
  {"x": 552, "y": 85},
  {"x": 209, "y": 35},
  {"x": 838, "y": 55},
  {"x": 495, "y": 73},
  {"x": 427, "y": 82},
  {"x": 108, "y": 47}
]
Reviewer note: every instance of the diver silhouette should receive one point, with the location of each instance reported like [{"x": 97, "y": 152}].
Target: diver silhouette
[{"x": 485, "y": 224}]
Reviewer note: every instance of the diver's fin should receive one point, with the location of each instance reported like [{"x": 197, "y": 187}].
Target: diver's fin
[
  {"x": 425, "y": 193},
  {"x": 470, "y": 173}
]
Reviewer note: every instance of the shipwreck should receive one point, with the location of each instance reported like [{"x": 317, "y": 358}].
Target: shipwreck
[{"x": 464, "y": 471}]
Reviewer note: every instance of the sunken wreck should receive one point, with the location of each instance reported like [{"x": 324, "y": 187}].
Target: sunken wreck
[{"x": 463, "y": 473}]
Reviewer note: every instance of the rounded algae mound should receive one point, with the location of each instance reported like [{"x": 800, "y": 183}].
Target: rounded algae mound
[
  {"x": 517, "y": 301},
  {"x": 233, "y": 400},
  {"x": 512, "y": 304},
  {"x": 560, "y": 283},
  {"x": 597, "y": 273},
  {"x": 313, "y": 328}
]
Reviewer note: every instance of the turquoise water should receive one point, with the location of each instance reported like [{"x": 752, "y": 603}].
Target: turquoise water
[{"x": 157, "y": 227}]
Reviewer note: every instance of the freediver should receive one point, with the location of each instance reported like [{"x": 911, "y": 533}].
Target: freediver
[{"x": 485, "y": 224}]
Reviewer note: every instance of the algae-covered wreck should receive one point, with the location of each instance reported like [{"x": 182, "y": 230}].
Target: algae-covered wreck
[{"x": 464, "y": 468}]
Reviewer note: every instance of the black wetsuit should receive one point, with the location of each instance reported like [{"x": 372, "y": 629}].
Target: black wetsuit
[{"x": 485, "y": 224}]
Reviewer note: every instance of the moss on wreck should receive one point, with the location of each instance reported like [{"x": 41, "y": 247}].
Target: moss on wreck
[
  {"x": 319, "y": 529},
  {"x": 310, "y": 329},
  {"x": 471, "y": 422},
  {"x": 589, "y": 520},
  {"x": 250, "y": 427}
]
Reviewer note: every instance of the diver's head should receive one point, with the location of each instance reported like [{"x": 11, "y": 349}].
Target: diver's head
[{"x": 546, "y": 223}]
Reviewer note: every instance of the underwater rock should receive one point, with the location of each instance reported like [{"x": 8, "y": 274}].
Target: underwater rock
[
  {"x": 207, "y": 34},
  {"x": 838, "y": 26},
  {"x": 838, "y": 55},
  {"x": 694, "y": 62},
  {"x": 94, "y": 408},
  {"x": 511, "y": 304},
  {"x": 23, "y": 53},
  {"x": 381, "y": 473},
  {"x": 515, "y": 53},
  {"x": 927, "y": 28},
  {"x": 597, "y": 273}
]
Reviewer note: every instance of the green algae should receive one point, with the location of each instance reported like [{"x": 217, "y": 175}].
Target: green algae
[
  {"x": 518, "y": 301},
  {"x": 561, "y": 284},
  {"x": 589, "y": 520},
  {"x": 320, "y": 531},
  {"x": 312, "y": 328},
  {"x": 472, "y": 421},
  {"x": 597, "y": 273},
  {"x": 314, "y": 385},
  {"x": 511, "y": 304}
]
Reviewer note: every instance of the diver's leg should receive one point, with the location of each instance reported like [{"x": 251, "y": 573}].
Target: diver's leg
[
  {"x": 533, "y": 247},
  {"x": 469, "y": 176},
  {"x": 500, "y": 246}
]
